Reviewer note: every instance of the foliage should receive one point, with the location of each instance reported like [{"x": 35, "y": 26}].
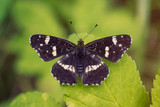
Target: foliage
[
  {"x": 156, "y": 91},
  {"x": 34, "y": 99}
]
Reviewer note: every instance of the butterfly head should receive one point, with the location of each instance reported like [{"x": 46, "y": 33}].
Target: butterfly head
[
  {"x": 80, "y": 43},
  {"x": 80, "y": 48}
]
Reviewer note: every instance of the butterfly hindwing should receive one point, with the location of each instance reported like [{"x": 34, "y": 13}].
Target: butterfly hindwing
[
  {"x": 95, "y": 70},
  {"x": 65, "y": 69},
  {"x": 111, "y": 48},
  {"x": 49, "y": 47}
]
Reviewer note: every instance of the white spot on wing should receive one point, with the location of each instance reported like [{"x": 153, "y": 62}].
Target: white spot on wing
[
  {"x": 39, "y": 36},
  {"x": 41, "y": 44},
  {"x": 114, "y": 40},
  {"x": 47, "y": 39},
  {"x": 86, "y": 84},
  {"x": 107, "y": 48},
  {"x": 54, "y": 48},
  {"x": 67, "y": 84},
  {"x": 54, "y": 53},
  {"x": 67, "y": 67},
  {"x": 93, "y": 67},
  {"x": 120, "y": 45},
  {"x": 106, "y": 51},
  {"x": 93, "y": 56}
]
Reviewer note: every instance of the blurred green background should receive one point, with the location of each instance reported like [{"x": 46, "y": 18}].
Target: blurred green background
[{"x": 21, "y": 69}]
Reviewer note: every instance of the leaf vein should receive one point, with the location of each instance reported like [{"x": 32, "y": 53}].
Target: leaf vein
[
  {"x": 113, "y": 95},
  {"x": 69, "y": 97},
  {"x": 98, "y": 96}
]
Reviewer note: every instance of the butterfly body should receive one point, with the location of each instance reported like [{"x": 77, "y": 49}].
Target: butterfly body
[
  {"x": 80, "y": 60},
  {"x": 80, "y": 57}
]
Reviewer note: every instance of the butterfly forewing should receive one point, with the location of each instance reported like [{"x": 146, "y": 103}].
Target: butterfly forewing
[
  {"x": 49, "y": 47},
  {"x": 95, "y": 70},
  {"x": 111, "y": 48},
  {"x": 65, "y": 69}
]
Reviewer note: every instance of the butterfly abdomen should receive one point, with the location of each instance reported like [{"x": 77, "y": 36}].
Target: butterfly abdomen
[{"x": 80, "y": 69}]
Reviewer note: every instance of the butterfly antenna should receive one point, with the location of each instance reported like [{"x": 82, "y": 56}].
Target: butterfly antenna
[
  {"x": 70, "y": 21},
  {"x": 90, "y": 31}
]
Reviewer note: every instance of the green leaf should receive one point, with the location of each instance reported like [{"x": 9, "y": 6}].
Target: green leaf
[
  {"x": 156, "y": 91},
  {"x": 36, "y": 17},
  {"x": 34, "y": 99},
  {"x": 4, "y": 8},
  {"x": 122, "y": 88}
]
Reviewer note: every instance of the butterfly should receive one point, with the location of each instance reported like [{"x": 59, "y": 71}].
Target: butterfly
[{"x": 80, "y": 60}]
